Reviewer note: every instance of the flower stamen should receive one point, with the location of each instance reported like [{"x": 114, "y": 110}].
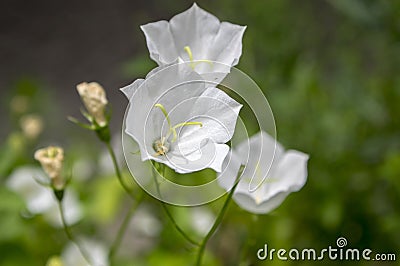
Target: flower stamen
[{"x": 161, "y": 146}]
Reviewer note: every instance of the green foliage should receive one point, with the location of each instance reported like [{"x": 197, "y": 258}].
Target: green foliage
[{"x": 330, "y": 72}]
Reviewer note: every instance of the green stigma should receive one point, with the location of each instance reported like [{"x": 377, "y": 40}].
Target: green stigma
[
  {"x": 159, "y": 105},
  {"x": 189, "y": 52},
  {"x": 192, "y": 63}
]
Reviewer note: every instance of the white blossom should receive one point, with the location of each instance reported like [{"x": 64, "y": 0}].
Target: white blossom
[
  {"x": 195, "y": 36},
  {"x": 270, "y": 174},
  {"x": 179, "y": 121}
]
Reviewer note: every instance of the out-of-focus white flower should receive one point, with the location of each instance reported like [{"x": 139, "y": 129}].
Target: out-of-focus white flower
[
  {"x": 142, "y": 233},
  {"x": 178, "y": 121},
  {"x": 95, "y": 101},
  {"x": 31, "y": 125},
  {"x": 38, "y": 199},
  {"x": 97, "y": 252},
  {"x": 202, "y": 219},
  {"x": 144, "y": 223},
  {"x": 41, "y": 200},
  {"x": 72, "y": 210},
  {"x": 270, "y": 175},
  {"x": 51, "y": 158},
  {"x": 195, "y": 36}
]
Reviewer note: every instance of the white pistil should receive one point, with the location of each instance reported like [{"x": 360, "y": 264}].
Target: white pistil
[{"x": 192, "y": 63}]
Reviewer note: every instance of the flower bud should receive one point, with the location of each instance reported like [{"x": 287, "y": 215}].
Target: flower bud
[
  {"x": 51, "y": 159},
  {"x": 94, "y": 99},
  {"x": 31, "y": 125},
  {"x": 19, "y": 104}
]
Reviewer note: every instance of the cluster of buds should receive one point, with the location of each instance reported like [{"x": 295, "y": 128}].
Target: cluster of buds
[
  {"x": 51, "y": 159},
  {"x": 94, "y": 99}
]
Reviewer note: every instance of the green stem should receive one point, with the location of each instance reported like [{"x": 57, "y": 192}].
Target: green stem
[
  {"x": 177, "y": 227},
  {"x": 117, "y": 171},
  {"x": 124, "y": 225},
  {"x": 69, "y": 234},
  {"x": 219, "y": 218},
  {"x": 169, "y": 215}
]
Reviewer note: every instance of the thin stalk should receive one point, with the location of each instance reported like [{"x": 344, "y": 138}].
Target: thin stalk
[
  {"x": 169, "y": 215},
  {"x": 69, "y": 234},
  {"x": 219, "y": 219},
  {"x": 117, "y": 171},
  {"x": 124, "y": 225}
]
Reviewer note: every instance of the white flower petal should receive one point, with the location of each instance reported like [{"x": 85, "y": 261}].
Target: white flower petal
[
  {"x": 291, "y": 173},
  {"x": 131, "y": 88},
  {"x": 217, "y": 112},
  {"x": 259, "y": 154},
  {"x": 230, "y": 167},
  {"x": 247, "y": 202},
  {"x": 160, "y": 42},
  {"x": 195, "y": 28},
  {"x": 227, "y": 45},
  {"x": 221, "y": 150},
  {"x": 203, "y": 33},
  {"x": 288, "y": 173}
]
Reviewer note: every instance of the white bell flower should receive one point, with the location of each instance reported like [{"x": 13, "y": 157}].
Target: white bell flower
[
  {"x": 270, "y": 173},
  {"x": 178, "y": 121},
  {"x": 195, "y": 36}
]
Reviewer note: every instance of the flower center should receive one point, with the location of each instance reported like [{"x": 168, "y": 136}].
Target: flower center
[
  {"x": 51, "y": 153},
  {"x": 161, "y": 146},
  {"x": 193, "y": 64}
]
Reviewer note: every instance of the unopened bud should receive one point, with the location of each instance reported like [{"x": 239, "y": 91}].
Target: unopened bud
[
  {"x": 94, "y": 99},
  {"x": 31, "y": 125}
]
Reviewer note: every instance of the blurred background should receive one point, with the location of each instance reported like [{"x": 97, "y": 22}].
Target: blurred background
[{"x": 328, "y": 68}]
